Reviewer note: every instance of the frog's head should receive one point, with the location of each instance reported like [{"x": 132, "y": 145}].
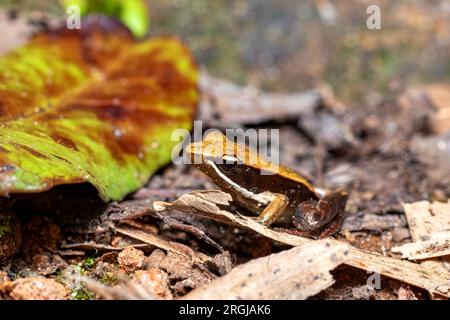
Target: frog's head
[{"x": 228, "y": 164}]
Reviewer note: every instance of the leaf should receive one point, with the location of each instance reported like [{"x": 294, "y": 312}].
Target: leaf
[
  {"x": 92, "y": 105},
  {"x": 132, "y": 13}
]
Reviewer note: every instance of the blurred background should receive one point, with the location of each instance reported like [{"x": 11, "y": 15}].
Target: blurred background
[{"x": 291, "y": 45}]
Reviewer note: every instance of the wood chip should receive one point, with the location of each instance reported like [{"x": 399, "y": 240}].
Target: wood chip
[
  {"x": 424, "y": 219},
  {"x": 306, "y": 274},
  {"x": 437, "y": 246},
  {"x": 209, "y": 204}
]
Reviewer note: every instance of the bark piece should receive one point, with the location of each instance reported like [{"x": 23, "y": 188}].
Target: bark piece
[
  {"x": 298, "y": 273},
  {"x": 438, "y": 245},
  {"x": 209, "y": 204},
  {"x": 425, "y": 218}
]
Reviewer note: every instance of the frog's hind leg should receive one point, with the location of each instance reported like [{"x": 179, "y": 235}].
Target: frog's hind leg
[
  {"x": 326, "y": 214},
  {"x": 332, "y": 227},
  {"x": 274, "y": 209}
]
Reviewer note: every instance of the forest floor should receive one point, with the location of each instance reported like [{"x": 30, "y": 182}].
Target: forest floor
[{"x": 379, "y": 128}]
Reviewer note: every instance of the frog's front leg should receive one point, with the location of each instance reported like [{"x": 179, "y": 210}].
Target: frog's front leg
[
  {"x": 317, "y": 216},
  {"x": 274, "y": 210}
]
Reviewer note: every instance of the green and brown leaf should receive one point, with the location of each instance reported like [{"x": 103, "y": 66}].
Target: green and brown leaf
[{"x": 92, "y": 105}]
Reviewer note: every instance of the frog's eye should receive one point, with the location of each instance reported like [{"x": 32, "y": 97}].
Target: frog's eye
[
  {"x": 228, "y": 168},
  {"x": 229, "y": 165}
]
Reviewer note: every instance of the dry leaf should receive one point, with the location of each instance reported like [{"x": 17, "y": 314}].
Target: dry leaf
[{"x": 425, "y": 218}]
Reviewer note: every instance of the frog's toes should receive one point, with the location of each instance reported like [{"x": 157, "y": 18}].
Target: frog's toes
[{"x": 308, "y": 216}]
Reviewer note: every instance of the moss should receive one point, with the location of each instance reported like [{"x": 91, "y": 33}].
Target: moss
[
  {"x": 82, "y": 293},
  {"x": 4, "y": 229},
  {"x": 89, "y": 262},
  {"x": 59, "y": 277},
  {"x": 109, "y": 279}
]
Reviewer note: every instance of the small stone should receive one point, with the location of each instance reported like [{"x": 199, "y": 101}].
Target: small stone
[
  {"x": 131, "y": 259},
  {"x": 38, "y": 289}
]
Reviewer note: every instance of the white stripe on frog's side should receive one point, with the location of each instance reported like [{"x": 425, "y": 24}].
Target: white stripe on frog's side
[{"x": 262, "y": 198}]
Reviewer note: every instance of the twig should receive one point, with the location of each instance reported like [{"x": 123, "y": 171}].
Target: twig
[{"x": 151, "y": 239}]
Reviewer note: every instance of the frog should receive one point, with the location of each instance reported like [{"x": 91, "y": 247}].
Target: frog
[{"x": 274, "y": 193}]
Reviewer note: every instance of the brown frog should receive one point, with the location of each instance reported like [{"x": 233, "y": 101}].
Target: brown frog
[{"x": 278, "y": 195}]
